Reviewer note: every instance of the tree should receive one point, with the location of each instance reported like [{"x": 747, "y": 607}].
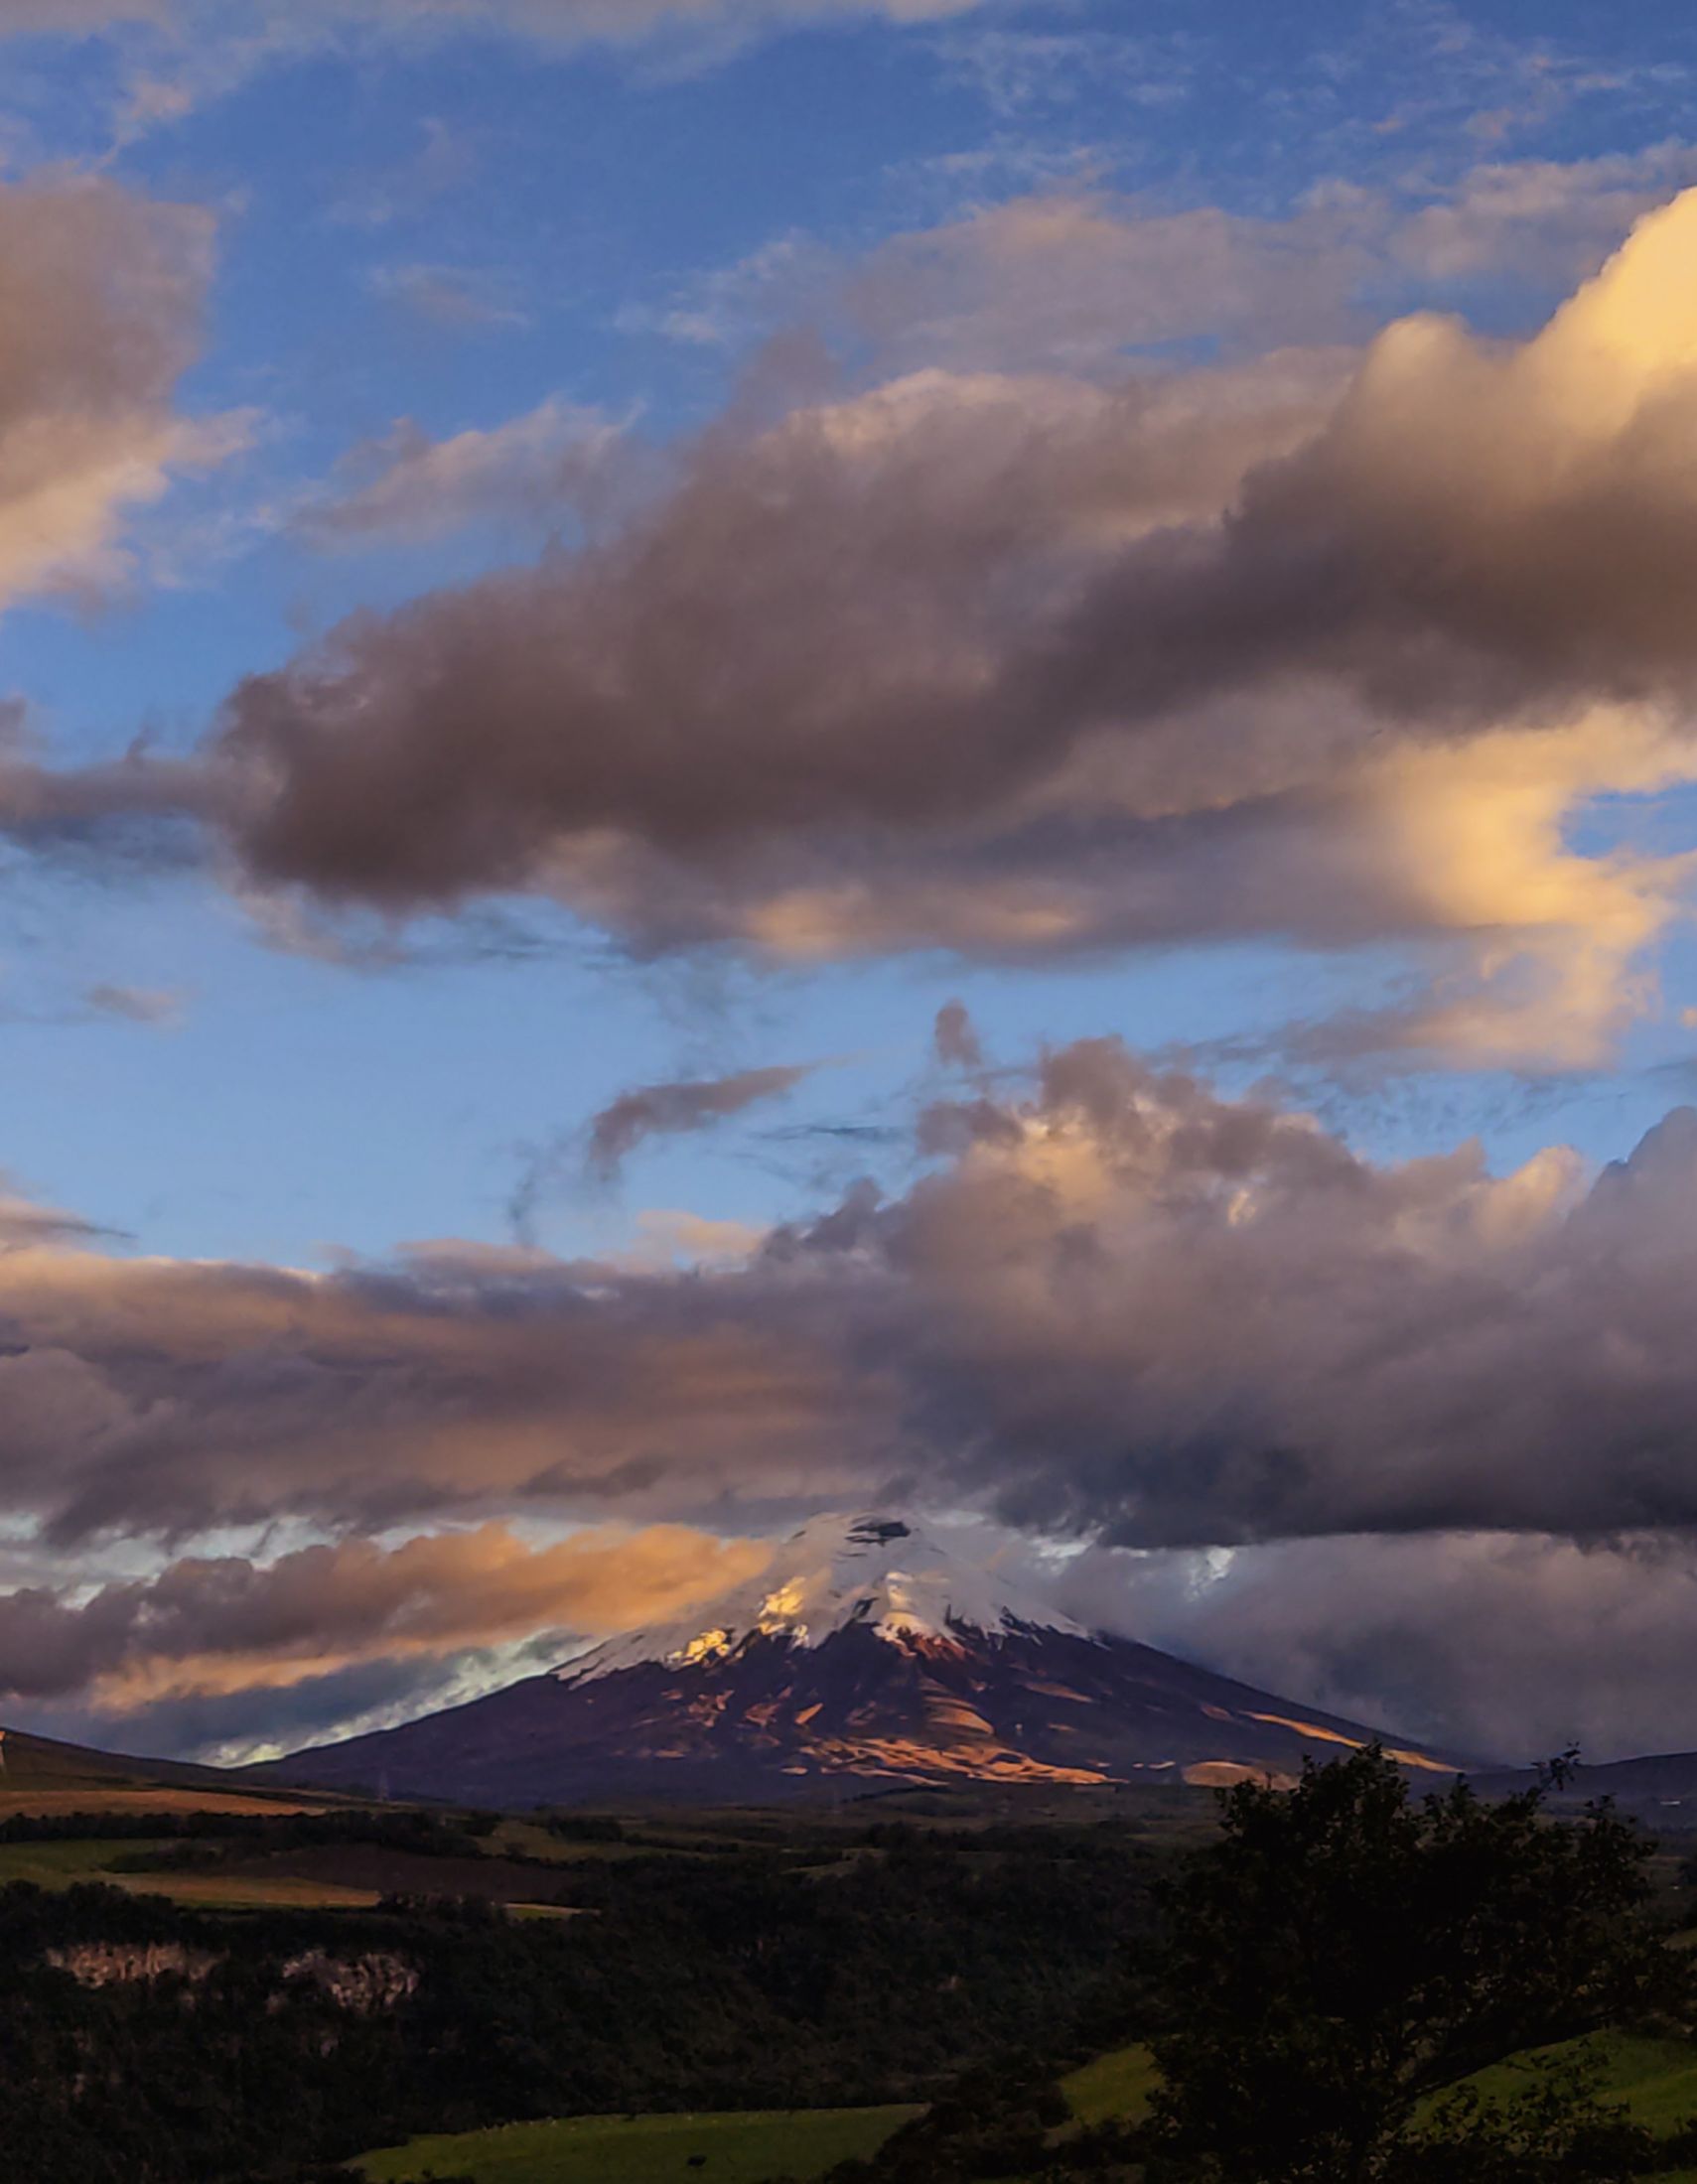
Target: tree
[{"x": 1339, "y": 1952}]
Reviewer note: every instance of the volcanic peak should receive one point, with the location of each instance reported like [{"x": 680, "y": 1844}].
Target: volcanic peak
[{"x": 838, "y": 1572}]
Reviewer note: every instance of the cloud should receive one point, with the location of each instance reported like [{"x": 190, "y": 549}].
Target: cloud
[
  {"x": 1023, "y": 665},
  {"x": 158, "y": 1006},
  {"x": 680, "y": 1106},
  {"x": 697, "y": 719},
  {"x": 1546, "y": 219},
  {"x": 136, "y": 809},
  {"x": 566, "y": 20},
  {"x": 204, "y": 1627},
  {"x": 1070, "y": 276},
  {"x": 1121, "y": 1308},
  {"x": 177, "y": 57},
  {"x": 562, "y": 22},
  {"x": 444, "y": 162},
  {"x": 1071, "y": 280},
  {"x": 460, "y": 297},
  {"x": 954, "y": 1039},
  {"x": 671, "y": 1109},
  {"x": 27, "y": 1226},
  {"x": 99, "y": 303},
  {"x": 1017, "y": 70},
  {"x": 1508, "y": 1647},
  {"x": 407, "y": 486}
]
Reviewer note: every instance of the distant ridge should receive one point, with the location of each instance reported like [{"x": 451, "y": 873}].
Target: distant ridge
[
  {"x": 1658, "y": 1786},
  {"x": 865, "y": 1658},
  {"x": 41, "y": 1774}
]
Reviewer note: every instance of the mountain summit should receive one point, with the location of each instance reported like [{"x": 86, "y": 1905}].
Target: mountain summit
[
  {"x": 865, "y": 1657},
  {"x": 838, "y": 1573}
]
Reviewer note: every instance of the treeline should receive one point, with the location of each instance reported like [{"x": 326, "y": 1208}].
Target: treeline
[
  {"x": 738, "y": 1982},
  {"x": 425, "y": 1834}
]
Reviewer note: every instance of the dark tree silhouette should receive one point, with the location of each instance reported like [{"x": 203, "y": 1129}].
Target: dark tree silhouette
[{"x": 1342, "y": 1951}]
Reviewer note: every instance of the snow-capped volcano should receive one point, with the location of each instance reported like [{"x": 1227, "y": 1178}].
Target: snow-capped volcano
[
  {"x": 863, "y": 1657},
  {"x": 865, "y": 1572}
]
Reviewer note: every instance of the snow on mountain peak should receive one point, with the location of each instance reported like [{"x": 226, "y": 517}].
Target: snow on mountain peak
[{"x": 838, "y": 1573}]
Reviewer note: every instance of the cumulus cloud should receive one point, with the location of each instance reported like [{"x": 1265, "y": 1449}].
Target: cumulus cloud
[
  {"x": 1122, "y": 1307},
  {"x": 1022, "y": 665},
  {"x": 206, "y": 1626},
  {"x": 705, "y": 725}
]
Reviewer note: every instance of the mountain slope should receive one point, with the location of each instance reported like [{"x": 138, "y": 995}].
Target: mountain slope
[{"x": 864, "y": 1658}]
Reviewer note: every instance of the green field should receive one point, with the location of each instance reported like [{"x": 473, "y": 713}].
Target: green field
[
  {"x": 59, "y": 1864},
  {"x": 1114, "y": 2084},
  {"x": 647, "y": 2149},
  {"x": 1656, "y": 2079}
]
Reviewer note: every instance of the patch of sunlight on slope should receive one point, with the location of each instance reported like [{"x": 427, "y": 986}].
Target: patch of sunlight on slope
[
  {"x": 1114, "y": 2084},
  {"x": 647, "y": 2149},
  {"x": 1656, "y": 2079}
]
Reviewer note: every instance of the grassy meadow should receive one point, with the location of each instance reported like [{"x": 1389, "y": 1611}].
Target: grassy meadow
[{"x": 647, "y": 2149}]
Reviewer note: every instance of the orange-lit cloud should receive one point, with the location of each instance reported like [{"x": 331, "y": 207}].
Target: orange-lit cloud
[{"x": 206, "y": 1627}]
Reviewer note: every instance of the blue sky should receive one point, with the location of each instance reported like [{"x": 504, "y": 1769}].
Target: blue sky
[{"x": 498, "y": 287}]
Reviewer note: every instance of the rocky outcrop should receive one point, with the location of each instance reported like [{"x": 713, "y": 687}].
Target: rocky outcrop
[
  {"x": 361, "y": 1985},
  {"x": 113, "y": 1964}
]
